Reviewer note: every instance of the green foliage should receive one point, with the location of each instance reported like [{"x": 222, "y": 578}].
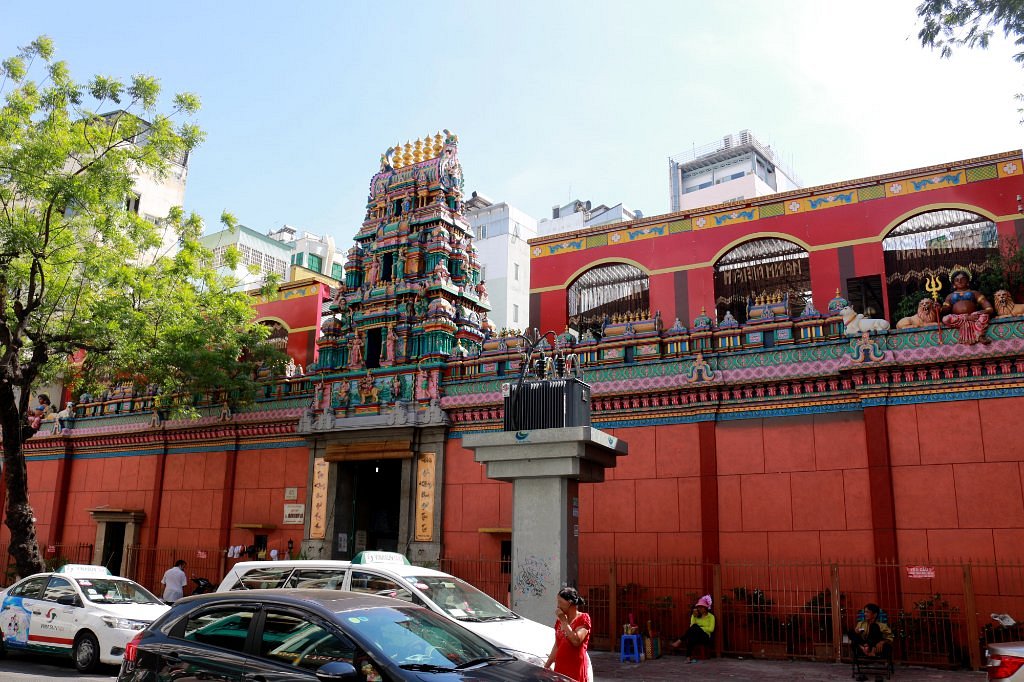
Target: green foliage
[
  {"x": 1004, "y": 270},
  {"x": 947, "y": 24},
  {"x": 81, "y": 276}
]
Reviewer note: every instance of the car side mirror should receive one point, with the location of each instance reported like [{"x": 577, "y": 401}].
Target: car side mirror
[
  {"x": 336, "y": 671},
  {"x": 67, "y": 600}
]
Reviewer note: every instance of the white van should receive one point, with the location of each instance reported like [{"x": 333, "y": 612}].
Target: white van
[{"x": 391, "y": 575}]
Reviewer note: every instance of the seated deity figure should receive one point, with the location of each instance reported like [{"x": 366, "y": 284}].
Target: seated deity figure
[{"x": 966, "y": 310}]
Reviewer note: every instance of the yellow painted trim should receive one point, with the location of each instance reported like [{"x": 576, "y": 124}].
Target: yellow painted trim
[
  {"x": 271, "y": 318},
  {"x": 303, "y": 329},
  {"x": 796, "y": 240}
]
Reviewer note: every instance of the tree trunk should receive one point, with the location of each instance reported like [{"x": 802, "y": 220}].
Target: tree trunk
[{"x": 20, "y": 518}]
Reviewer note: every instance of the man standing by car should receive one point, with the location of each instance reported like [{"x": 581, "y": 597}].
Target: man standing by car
[{"x": 174, "y": 582}]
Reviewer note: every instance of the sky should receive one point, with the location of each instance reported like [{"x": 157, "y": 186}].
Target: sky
[{"x": 551, "y": 101}]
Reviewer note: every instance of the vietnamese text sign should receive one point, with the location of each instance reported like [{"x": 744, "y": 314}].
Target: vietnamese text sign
[
  {"x": 920, "y": 572},
  {"x": 425, "y": 497}
]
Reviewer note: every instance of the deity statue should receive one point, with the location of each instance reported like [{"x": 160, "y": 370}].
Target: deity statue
[
  {"x": 966, "y": 310},
  {"x": 421, "y": 384},
  {"x": 374, "y": 270},
  {"x": 289, "y": 369},
  {"x": 355, "y": 352},
  {"x": 421, "y": 306},
  {"x": 927, "y": 313},
  {"x": 432, "y": 385},
  {"x": 481, "y": 291},
  {"x": 392, "y": 338},
  {"x": 396, "y": 387},
  {"x": 399, "y": 269}
]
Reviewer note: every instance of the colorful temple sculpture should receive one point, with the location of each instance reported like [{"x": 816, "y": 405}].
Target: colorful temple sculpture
[{"x": 819, "y": 376}]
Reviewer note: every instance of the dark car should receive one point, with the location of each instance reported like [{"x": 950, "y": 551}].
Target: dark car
[{"x": 276, "y": 635}]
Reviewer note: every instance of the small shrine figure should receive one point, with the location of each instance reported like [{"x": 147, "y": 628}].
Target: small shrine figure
[
  {"x": 289, "y": 369},
  {"x": 396, "y": 387},
  {"x": 701, "y": 370},
  {"x": 866, "y": 349},
  {"x": 966, "y": 310},
  {"x": 399, "y": 269},
  {"x": 481, "y": 291},
  {"x": 441, "y": 273},
  {"x": 355, "y": 352}
]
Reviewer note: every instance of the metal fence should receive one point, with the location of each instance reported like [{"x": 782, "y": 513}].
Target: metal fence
[
  {"x": 54, "y": 556},
  {"x": 940, "y": 613},
  {"x": 146, "y": 565}
]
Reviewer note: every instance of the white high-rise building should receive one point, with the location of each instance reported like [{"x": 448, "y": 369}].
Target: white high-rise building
[
  {"x": 312, "y": 252},
  {"x": 732, "y": 168},
  {"x": 500, "y": 235},
  {"x": 579, "y": 214}
]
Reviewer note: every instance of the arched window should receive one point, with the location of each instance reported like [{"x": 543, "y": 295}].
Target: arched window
[
  {"x": 278, "y": 334},
  {"x": 762, "y": 266},
  {"x": 607, "y": 290},
  {"x": 932, "y": 243}
]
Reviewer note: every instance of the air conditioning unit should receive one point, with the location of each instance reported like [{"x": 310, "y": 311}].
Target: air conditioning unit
[{"x": 546, "y": 404}]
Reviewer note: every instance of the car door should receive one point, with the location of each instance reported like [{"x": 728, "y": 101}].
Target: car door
[
  {"x": 292, "y": 644},
  {"x": 16, "y": 617},
  {"x": 209, "y": 644},
  {"x": 370, "y": 581},
  {"x": 57, "y": 622}
]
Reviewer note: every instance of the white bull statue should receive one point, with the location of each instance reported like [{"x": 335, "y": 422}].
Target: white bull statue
[{"x": 856, "y": 324}]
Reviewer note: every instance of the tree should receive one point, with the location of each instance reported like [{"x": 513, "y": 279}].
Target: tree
[
  {"x": 81, "y": 275},
  {"x": 970, "y": 23}
]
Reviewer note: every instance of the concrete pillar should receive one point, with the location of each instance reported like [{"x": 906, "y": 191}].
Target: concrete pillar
[{"x": 545, "y": 467}]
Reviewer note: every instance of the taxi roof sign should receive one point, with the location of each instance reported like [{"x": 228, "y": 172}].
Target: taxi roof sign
[
  {"x": 84, "y": 570},
  {"x": 380, "y": 558}
]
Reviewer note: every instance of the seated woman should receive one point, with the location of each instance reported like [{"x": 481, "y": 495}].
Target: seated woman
[
  {"x": 871, "y": 637},
  {"x": 702, "y": 625}
]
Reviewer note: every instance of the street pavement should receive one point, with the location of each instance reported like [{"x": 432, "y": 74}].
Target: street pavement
[
  {"x": 607, "y": 667},
  {"x": 41, "y": 668}
]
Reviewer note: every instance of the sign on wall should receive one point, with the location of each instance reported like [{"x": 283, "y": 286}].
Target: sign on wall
[
  {"x": 294, "y": 514},
  {"x": 318, "y": 501},
  {"x": 425, "y": 471}
]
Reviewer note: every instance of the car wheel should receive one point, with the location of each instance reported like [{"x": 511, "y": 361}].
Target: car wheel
[{"x": 86, "y": 652}]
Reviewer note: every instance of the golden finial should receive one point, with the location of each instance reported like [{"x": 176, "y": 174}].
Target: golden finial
[
  {"x": 408, "y": 152},
  {"x": 417, "y": 152},
  {"x": 398, "y": 160},
  {"x": 438, "y": 144},
  {"x": 837, "y": 292}
]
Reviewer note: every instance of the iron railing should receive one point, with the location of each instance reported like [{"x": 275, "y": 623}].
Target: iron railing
[{"x": 940, "y": 613}]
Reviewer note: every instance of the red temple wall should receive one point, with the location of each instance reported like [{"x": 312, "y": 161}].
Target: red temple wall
[{"x": 792, "y": 488}]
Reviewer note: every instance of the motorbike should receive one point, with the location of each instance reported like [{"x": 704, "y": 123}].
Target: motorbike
[{"x": 203, "y": 586}]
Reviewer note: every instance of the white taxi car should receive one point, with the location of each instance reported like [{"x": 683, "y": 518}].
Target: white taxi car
[
  {"x": 391, "y": 575},
  {"x": 79, "y": 611}
]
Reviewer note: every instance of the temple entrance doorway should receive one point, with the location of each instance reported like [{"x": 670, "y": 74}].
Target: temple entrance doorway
[{"x": 369, "y": 506}]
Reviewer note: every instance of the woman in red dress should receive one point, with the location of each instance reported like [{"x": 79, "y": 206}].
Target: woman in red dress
[{"x": 572, "y": 633}]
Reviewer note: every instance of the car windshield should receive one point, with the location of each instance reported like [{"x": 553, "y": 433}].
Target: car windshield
[
  {"x": 110, "y": 591},
  {"x": 459, "y": 599},
  {"x": 416, "y": 638}
]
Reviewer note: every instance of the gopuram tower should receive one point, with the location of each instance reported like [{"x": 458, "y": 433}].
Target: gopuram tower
[{"x": 412, "y": 298}]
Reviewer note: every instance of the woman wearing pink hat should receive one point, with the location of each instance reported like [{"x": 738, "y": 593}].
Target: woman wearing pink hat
[{"x": 702, "y": 624}]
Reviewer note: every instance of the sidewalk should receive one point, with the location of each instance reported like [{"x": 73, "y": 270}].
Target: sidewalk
[{"x": 608, "y": 667}]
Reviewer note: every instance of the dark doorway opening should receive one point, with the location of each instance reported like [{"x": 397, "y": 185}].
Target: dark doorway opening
[
  {"x": 377, "y": 503},
  {"x": 113, "y": 546},
  {"x": 387, "y": 267},
  {"x": 368, "y": 507},
  {"x": 374, "y": 342},
  {"x": 865, "y": 295}
]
